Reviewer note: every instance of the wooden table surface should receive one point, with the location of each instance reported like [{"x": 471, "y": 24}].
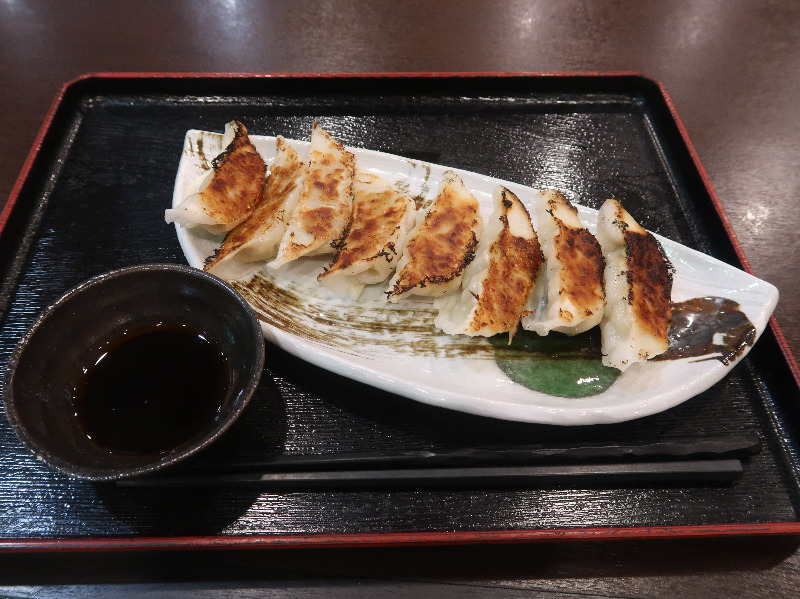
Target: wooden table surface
[{"x": 731, "y": 68}]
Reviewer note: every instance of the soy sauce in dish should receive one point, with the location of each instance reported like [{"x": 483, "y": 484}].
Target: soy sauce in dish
[{"x": 151, "y": 391}]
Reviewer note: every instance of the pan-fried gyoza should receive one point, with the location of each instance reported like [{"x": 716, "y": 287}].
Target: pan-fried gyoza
[
  {"x": 441, "y": 246},
  {"x": 569, "y": 297},
  {"x": 636, "y": 321},
  {"x": 226, "y": 195},
  {"x": 376, "y": 236}
]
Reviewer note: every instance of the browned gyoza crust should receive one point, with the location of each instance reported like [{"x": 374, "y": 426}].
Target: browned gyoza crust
[
  {"x": 513, "y": 267},
  {"x": 375, "y": 219},
  {"x": 443, "y": 245},
  {"x": 582, "y": 276},
  {"x": 649, "y": 283},
  {"x": 319, "y": 221},
  {"x": 238, "y": 180}
]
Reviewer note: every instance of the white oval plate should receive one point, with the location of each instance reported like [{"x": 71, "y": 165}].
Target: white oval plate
[{"x": 396, "y": 347}]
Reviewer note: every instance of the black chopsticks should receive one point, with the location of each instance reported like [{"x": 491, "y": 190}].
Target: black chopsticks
[
  {"x": 580, "y": 475},
  {"x": 701, "y": 460}
]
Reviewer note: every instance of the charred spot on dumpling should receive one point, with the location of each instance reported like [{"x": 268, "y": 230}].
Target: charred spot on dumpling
[
  {"x": 318, "y": 220},
  {"x": 389, "y": 251},
  {"x": 210, "y": 259},
  {"x": 235, "y": 239},
  {"x": 327, "y": 184}
]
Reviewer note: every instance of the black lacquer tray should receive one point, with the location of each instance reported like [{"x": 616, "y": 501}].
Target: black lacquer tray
[{"x": 91, "y": 198}]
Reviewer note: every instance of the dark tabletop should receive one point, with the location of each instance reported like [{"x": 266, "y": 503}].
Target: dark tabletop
[{"x": 731, "y": 70}]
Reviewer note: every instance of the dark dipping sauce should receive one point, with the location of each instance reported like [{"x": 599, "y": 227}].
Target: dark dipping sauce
[{"x": 151, "y": 391}]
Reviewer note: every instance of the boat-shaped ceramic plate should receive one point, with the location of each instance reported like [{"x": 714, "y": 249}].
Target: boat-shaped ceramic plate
[{"x": 720, "y": 311}]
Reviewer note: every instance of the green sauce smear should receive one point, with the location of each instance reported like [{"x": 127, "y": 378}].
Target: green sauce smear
[{"x": 556, "y": 364}]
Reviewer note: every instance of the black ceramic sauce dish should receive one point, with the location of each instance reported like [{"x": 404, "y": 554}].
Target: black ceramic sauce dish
[{"x": 48, "y": 369}]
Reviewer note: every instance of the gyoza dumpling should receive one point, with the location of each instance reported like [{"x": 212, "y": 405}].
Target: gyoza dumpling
[
  {"x": 326, "y": 203},
  {"x": 638, "y": 311},
  {"x": 376, "y": 236},
  {"x": 441, "y": 245},
  {"x": 256, "y": 239},
  {"x": 570, "y": 297},
  {"x": 226, "y": 195},
  {"x": 497, "y": 284}
]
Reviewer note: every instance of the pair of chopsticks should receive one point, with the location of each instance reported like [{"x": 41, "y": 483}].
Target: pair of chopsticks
[{"x": 704, "y": 460}]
